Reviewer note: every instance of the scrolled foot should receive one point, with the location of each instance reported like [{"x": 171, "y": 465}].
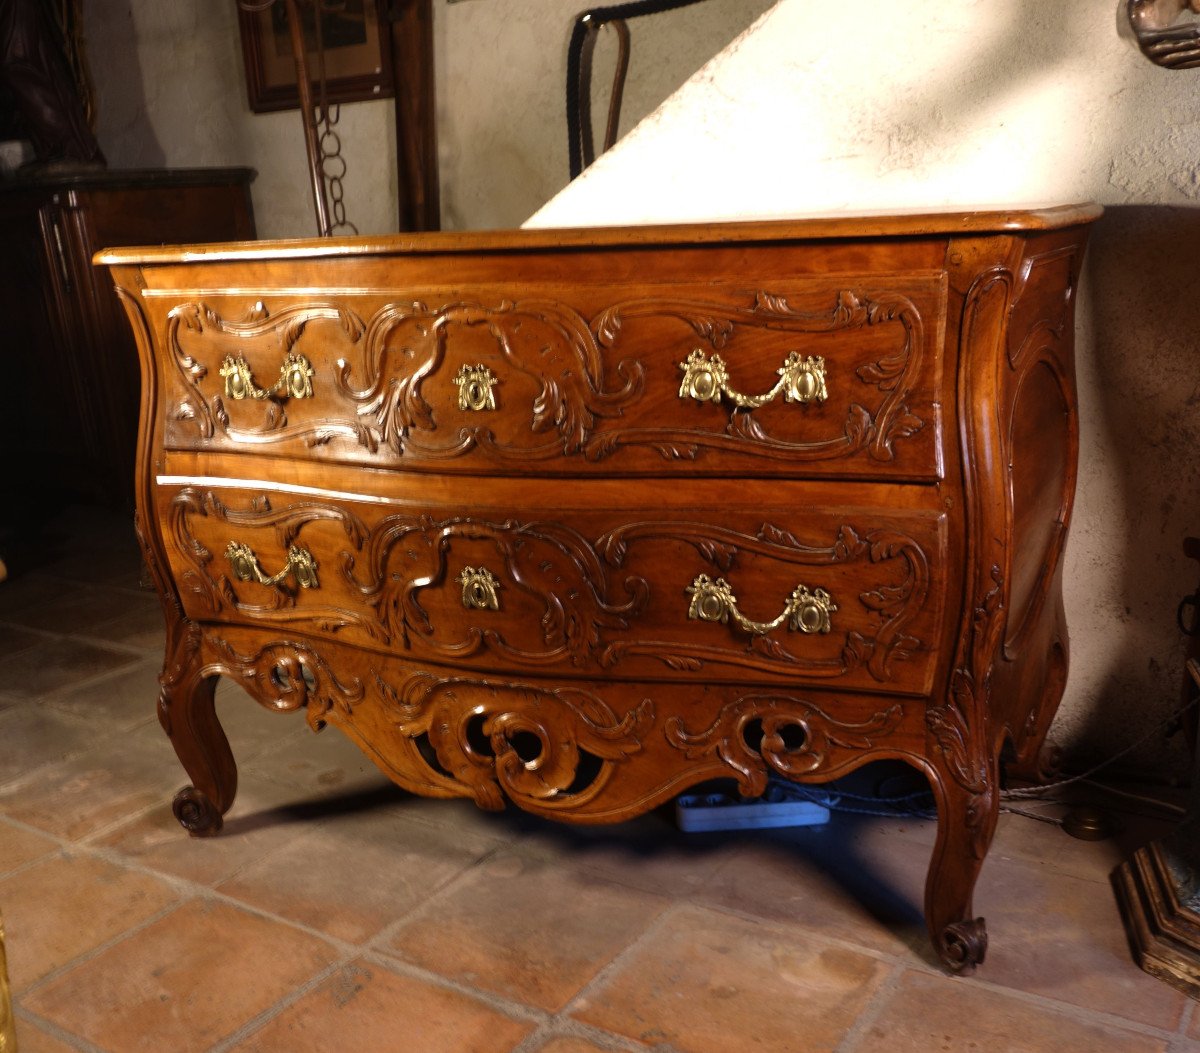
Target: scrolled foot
[
  {"x": 963, "y": 945},
  {"x": 196, "y": 813}
]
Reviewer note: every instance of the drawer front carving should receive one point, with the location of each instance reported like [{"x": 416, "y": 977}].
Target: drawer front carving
[
  {"x": 830, "y": 597},
  {"x": 831, "y": 378}
]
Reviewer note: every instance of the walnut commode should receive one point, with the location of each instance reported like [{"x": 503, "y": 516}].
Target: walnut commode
[{"x": 578, "y": 519}]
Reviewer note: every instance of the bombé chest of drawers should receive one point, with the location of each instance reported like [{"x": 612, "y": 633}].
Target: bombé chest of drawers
[{"x": 578, "y": 519}]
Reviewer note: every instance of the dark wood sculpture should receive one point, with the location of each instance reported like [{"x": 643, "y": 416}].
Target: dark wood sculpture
[
  {"x": 578, "y": 519},
  {"x": 39, "y": 80}
]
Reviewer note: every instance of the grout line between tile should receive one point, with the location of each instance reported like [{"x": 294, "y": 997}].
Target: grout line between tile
[
  {"x": 373, "y": 949},
  {"x": 259, "y": 1021},
  {"x": 377, "y": 942},
  {"x": 100, "y": 948},
  {"x": 564, "y": 1027},
  {"x": 507, "y": 1006},
  {"x": 618, "y": 961},
  {"x": 1185, "y": 1018},
  {"x": 1096, "y": 1017},
  {"x": 852, "y": 1039},
  {"x": 67, "y": 1038},
  {"x": 49, "y": 635}
]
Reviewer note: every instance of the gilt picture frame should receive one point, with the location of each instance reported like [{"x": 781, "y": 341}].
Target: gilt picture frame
[{"x": 358, "y": 63}]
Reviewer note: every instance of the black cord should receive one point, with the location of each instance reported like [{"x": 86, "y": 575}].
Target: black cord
[{"x": 587, "y": 23}]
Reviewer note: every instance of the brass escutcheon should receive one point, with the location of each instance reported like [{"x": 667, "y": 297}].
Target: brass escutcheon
[
  {"x": 474, "y": 385},
  {"x": 807, "y": 610},
  {"x": 706, "y": 379},
  {"x": 246, "y": 567},
  {"x": 479, "y": 589},
  {"x": 295, "y": 379}
]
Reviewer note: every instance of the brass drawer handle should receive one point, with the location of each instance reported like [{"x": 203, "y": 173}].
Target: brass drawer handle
[
  {"x": 479, "y": 589},
  {"x": 707, "y": 379},
  {"x": 807, "y": 610},
  {"x": 295, "y": 379},
  {"x": 475, "y": 385},
  {"x": 247, "y": 568}
]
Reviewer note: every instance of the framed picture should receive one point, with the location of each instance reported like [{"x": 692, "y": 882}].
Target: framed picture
[{"x": 358, "y": 62}]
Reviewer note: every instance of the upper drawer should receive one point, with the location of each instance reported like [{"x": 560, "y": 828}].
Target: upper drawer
[
  {"x": 837, "y": 377},
  {"x": 852, "y": 597}
]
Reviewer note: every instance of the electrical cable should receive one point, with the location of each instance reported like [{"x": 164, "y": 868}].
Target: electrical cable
[
  {"x": 1034, "y": 792},
  {"x": 919, "y": 805},
  {"x": 587, "y": 23}
]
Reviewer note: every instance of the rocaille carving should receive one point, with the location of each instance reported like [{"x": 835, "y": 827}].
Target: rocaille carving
[
  {"x": 216, "y": 592},
  {"x": 197, "y": 323},
  {"x": 896, "y": 604},
  {"x": 287, "y": 676},
  {"x": 582, "y": 622},
  {"x": 548, "y": 561},
  {"x": 758, "y": 734},
  {"x": 718, "y": 324},
  {"x": 475, "y": 728},
  {"x": 547, "y": 342},
  {"x": 579, "y": 397},
  {"x": 625, "y": 701}
]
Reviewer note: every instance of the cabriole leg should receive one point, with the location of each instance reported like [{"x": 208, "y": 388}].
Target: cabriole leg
[
  {"x": 187, "y": 712},
  {"x": 967, "y": 813}
]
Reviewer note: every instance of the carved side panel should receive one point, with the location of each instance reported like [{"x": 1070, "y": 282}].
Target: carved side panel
[{"x": 1020, "y": 437}]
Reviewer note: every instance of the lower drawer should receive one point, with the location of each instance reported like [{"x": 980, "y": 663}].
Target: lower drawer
[{"x": 847, "y": 597}]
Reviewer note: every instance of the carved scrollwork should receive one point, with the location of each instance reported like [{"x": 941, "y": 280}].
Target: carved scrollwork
[
  {"x": 288, "y": 676},
  {"x": 958, "y": 726},
  {"x": 896, "y": 604},
  {"x": 196, "y": 813},
  {"x": 216, "y": 591},
  {"x": 963, "y": 945},
  {"x": 759, "y": 734},
  {"x": 197, "y": 320},
  {"x": 801, "y": 379},
  {"x": 548, "y": 342},
  {"x": 561, "y": 355},
  {"x": 550, "y": 562},
  {"x": 525, "y": 742}
]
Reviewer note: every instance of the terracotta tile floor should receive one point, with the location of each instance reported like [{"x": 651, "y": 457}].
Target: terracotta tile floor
[{"x": 335, "y": 913}]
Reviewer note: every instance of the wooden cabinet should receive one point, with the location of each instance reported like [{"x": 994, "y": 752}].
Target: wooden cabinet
[
  {"x": 70, "y": 398},
  {"x": 578, "y": 519}
]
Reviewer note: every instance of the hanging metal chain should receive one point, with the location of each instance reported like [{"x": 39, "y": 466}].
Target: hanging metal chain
[
  {"x": 329, "y": 143},
  {"x": 327, "y": 166}
]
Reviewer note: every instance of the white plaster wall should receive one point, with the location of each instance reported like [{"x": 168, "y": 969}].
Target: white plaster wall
[
  {"x": 501, "y": 83},
  {"x": 171, "y": 90},
  {"x": 908, "y": 104}
]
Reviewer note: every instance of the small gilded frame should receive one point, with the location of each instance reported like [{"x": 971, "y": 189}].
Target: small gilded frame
[{"x": 358, "y": 59}]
